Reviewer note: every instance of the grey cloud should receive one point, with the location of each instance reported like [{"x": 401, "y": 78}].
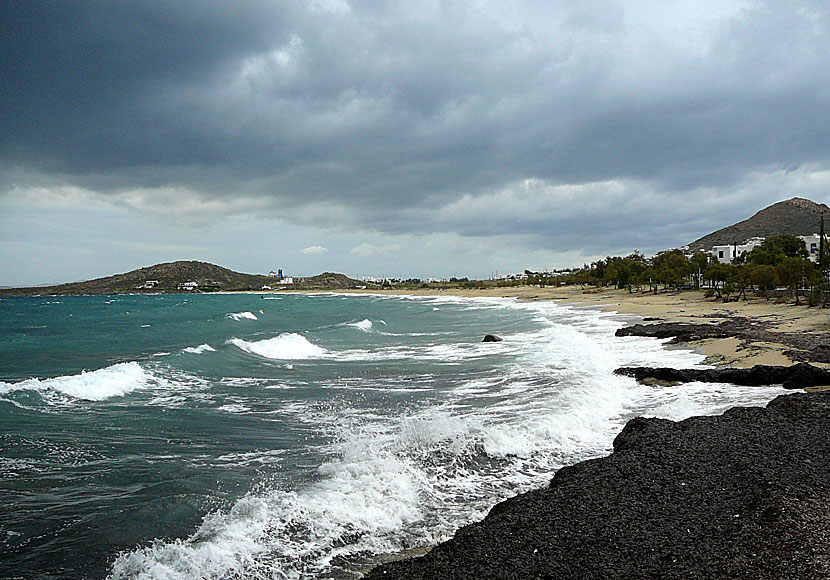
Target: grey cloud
[{"x": 393, "y": 111}]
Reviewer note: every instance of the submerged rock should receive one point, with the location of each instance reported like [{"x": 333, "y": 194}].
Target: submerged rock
[
  {"x": 491, "y": 338},
  {"x": 796, "y": 376},
  {"x": 742, "y": 495}
]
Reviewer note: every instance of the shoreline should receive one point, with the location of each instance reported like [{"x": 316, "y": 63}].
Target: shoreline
[
  {"x": 737, "y": 495},
  {"x": 688, "y": 307}
]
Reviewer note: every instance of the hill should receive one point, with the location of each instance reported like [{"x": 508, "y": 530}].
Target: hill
[
  {"x": 796, "y": 216},
  {"x": 170, "y": 276}
]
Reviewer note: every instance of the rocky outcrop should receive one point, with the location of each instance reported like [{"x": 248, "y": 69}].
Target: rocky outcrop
[
  {"x": 796, "y": 376},
  {"x": 742, "y": 495},
  {"x": 681, "y": 332},
  {"x": 801, "y": 346},
  {"x": 491, "y": 338}
]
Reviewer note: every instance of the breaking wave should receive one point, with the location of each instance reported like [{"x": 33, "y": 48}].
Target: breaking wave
[
  {"x": 199, "y": 349},
  {"x": 364, "y": 325},
  {"x": 287, "y": 346},
  {"x": 114, "y": 381},
  {"x": 242, "y": 316}
]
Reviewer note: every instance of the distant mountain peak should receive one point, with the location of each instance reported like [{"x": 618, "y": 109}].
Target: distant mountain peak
[
  {"x": 804, "y": 203},
  {"x": 796, "y": 216}
]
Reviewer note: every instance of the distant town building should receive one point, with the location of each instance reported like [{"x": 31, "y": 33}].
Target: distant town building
[
  {"x": 149, "y": 284},
  {"x": 726, "y": 254},
  {"x": 288, "y": 280},
  {"x": 813, "y": 245},
  {"x": 382, "y": 281},
  {"x": 188, "y": 286}
]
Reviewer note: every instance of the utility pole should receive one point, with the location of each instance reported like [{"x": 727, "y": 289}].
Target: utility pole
[{"x": 821, "y": 246}]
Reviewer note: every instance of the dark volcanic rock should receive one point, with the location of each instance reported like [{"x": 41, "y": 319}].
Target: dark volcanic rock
[
  {"x": 802, "y": 346},
  {"x": 796, "y": 376},
  {"x": 491, "y": 338},
  {"x": 742, "y": 495},
  {"x": 685, "y": 332}
]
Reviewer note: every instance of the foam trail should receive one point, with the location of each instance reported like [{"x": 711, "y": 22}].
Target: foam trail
[
  {"x": 242, "y": 316},
  {"x": 288, "y": 346},
  {"x": 114, "y": 381}
]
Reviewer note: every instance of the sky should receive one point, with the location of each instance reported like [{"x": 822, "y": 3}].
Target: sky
[{"x": 398, "y": 138}]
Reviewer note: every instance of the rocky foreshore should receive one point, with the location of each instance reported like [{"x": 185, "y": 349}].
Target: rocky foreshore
[
  {"x": 798, "y": 376},
  {"x": 745, "y": 494},
  {"x": 800, "y": 346}
]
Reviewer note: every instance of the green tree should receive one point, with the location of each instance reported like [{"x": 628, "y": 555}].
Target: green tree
[
  {"x": 720, "y": 275},
  {"x": 699, "y": 263},
  {"x": 793, "y": 272},
  {"x": 762, "y": 276},
  {"x": 774, "y": 249},
  {"x": 671, "y": 267}
]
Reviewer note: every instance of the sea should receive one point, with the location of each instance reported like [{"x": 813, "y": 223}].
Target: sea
[{"x": 231, "y": 436}]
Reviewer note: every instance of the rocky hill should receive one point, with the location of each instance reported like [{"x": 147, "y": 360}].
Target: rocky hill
[
  {"x": 796, "y": 216},
  {"x": 171, "y": 276}
]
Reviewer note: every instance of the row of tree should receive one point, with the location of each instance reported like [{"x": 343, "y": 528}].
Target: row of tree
[{"x": 780, "y": 261}]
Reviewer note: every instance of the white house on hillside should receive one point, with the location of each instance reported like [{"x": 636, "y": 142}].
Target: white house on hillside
[
  {"x": 813, "y": 245},
  {"x": 726, "y": 254}
]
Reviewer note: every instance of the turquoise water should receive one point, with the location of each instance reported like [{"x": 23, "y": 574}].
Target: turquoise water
[{"x": 271, "y": 436}]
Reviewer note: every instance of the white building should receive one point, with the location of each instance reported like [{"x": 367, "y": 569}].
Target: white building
[
  {"x": 813, "y": 245},
  {"x": 726, "y": 254},
  {"x": 188, "y": 286}
]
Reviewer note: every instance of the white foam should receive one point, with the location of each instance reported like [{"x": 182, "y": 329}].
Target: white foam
[
  {"x": 114, "y": 381},
  {"x": 242, "y": 316},
  {"x": 364, "y": 325},
  {"x": 202, "y": 348},
  {"x": 234, "y": 408},
  {"x": 394, "y": 481},
  {"x": 360, "y": 502},
  {"x": 288, "y": 346}
]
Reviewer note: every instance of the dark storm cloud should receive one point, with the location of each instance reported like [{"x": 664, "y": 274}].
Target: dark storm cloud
[{"x": 390, "y": 113}]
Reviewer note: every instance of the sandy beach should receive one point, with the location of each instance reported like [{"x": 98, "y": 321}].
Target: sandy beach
[{"x": 689, "y": 306}]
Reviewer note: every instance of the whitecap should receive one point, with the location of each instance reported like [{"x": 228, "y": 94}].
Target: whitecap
[
  {"x": 199, "y": 349},
  {"x": 247, "y": 315},
  {"x": 114, "y": 381},
  {"x": 364, "y": 325},
  {"x": 234, "y": 408},
  {"x": 288, "y": 346}
]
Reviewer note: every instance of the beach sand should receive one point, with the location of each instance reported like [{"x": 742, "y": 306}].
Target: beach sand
[{"x": 689, "y": 306}]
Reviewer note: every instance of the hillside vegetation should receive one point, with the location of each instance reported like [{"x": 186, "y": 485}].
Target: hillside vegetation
[{"x": 169, "y": 276}]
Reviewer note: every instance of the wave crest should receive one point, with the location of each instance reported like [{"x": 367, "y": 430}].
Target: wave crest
[
  {"x": 242, "y": 316},
  {"x": 114, "y": 381},
  {"x": 200, "y": 349},
  {"x": 288, "y": 346}
]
